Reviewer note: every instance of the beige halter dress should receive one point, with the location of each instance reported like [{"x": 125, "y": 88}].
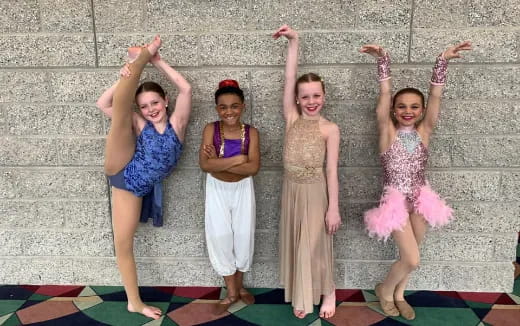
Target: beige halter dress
[{"x": 306, "y": 258}]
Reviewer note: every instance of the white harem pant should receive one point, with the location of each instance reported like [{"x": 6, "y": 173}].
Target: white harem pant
[{"x": 230, "y": 224}]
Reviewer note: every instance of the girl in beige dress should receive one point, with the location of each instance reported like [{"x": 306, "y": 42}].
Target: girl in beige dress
[{"x": 310, "y": 212}]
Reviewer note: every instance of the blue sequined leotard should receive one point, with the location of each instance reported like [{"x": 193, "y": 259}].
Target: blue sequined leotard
[{"x": 155, "y": 157}]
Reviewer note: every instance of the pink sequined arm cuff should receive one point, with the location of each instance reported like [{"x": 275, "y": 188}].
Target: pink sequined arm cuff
[
  {"x": 383, "y": 68},
  {"x": 440, "y": 70}
]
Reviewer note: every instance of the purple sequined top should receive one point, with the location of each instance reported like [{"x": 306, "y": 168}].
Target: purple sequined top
[
  {"x": 232, "y": 147},
  {"x": 404, "y": 164}
]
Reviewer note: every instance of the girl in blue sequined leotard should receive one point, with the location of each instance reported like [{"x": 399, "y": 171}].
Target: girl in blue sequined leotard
[{"x": 141, "y": 150}]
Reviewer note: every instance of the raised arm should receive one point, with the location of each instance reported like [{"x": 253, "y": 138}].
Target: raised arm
[
  {"x": 437, "y": 83},
  {"x": 290, "y": 110},
  {"x": 104, "y": 102},
  {"x": 208, "y": 160},
  {"x": 332, "y": 217},
  {"x": 181, "y": 114},
  {"x": 252, "y": 165},
  {"x": 384, "y": 102}
]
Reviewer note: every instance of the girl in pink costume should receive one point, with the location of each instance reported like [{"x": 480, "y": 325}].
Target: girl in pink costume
[{"x": 408, "y": 203}]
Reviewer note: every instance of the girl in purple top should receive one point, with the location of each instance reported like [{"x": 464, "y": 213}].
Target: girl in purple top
[{"x": 230, "y": 154}]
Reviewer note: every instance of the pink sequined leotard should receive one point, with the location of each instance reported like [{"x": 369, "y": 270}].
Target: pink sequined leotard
[
  {"x": 404, "y": 164},
  {"x": 405, "y": 189}
]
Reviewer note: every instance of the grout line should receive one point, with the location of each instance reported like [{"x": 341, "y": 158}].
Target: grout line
[{"x": 96, "y": 60}]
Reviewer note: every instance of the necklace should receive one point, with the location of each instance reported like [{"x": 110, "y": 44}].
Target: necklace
[{"x": 242, "y": 139}]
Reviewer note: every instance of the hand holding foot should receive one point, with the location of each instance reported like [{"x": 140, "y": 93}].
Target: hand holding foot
[
  {"x": 148, "y": 311},
  {"x": 153, "y": 47},
  {"x": 328, "y": 306}
]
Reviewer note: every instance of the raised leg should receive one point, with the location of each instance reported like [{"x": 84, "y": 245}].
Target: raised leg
[{"x": 120, "y": 143}]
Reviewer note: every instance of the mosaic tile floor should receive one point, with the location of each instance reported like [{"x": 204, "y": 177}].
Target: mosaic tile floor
[{"x": 106, "y": 305}]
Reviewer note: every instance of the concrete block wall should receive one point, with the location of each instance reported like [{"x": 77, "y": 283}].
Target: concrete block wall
[{"x": 58, "y": 56}]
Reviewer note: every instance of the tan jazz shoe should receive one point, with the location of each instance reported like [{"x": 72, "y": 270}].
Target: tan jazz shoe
[
  {"x": 405, "y": 309},
  {"x": 388, "y": 307}
]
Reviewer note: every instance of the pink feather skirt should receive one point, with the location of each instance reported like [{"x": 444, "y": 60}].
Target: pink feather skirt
[{"x": 393, "y": 211}]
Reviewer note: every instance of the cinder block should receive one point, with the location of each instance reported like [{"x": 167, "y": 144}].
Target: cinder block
[
  {"x": 510, "y": 186},
  {"x": 10, "y": 243},
  {"x": 119, "y": 16},
  {"x": 26, "y": 50},
  {"x": 83, "y": 214},
  {"x": 352, "y": 215},
  {"x": 468, "y": 82},
  {"x": 184, "y": 199},
  {"x": 335, "y": 47},
  {"x": 80, "y": 86},
  {"x": 334, "y": 14},
  {"x": 440, "y": 246},
  {"x": 188, "y": 273},
  {"x": 65, "y": 16},
  {"x": 178, "y": 244},
  {"x": 190, "y": 151},
  {"x": 426, "y": 277},
  {"x": 268, "y": 191},
  {"x": 51, "y": 243},
  {"x": 80, "y": 151},
  {"x": 377, "y": 14},
  {"x": 440, "y": 13},
  {"x": 98, "y": 271},
  {"x": 28, "y": 151},
  {"x": 488, "y": 45},
  {"x": 353, "y": 118},
  {"x": 363, "y": 151},
  {"x": 24, "y": 86},
  {"x": 19, "y": 16},
  {"x": 17, "y": 214},
  {"x": 196, "y": 16},
  {"x": 466, "y": 185},
  {"x": 26, "y": 270},
  {"x": 52, "y": 120},
  {"x": 493, "y": 13},
  {"x": 492, "y": 217},
  {"x": 489, "y": 277},
  {"x": 355, "y": 246},
  {"x": 266, "y": 273},
  {"x": 440, "y": 149},
  {"x": 486, "y": 152},
  {"x": 177, "y": 50},
  {"x": 505, "y": 247},
  {"x": 467, "y": 117},
  {"x": 268, "y": 119},
  {"x": 339, "y": 274},
  {"x": 52, "y": 183},
  {"x": 266, "y": 244},
  {"x": 240, "y": 49},
  {"x": 360, "y": 184},
  {"x": 365, "y": 275}
]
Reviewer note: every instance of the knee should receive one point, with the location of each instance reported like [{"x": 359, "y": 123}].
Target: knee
[
  {"x": 411, "y": 263},
  {"x": 123, "y": 246}
]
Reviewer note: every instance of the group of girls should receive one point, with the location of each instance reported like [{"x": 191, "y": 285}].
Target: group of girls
[{"x": 143, "y": 147}]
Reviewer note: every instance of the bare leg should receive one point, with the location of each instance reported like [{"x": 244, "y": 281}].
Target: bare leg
[
  {"x": 328, "y": 305},
  {"x": 419, "y": 228},
  {"x": 408, "y": 262},
  {"x": 245, "y": 296},
  {"x": 120, "y": 143},
  {"x": 126, "y": 208},
  {"x": 231, "y": 297}
]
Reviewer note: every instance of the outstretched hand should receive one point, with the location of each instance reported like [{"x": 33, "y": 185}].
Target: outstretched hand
[
  {"x": 453, "y": 51},
  {"x": 373, "y": 49},
  {"x": 286, "y": 31}
]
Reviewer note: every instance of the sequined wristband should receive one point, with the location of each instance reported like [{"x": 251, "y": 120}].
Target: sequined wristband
[
  {"x": 440, "y": 70},
  {"x": 383, "y": 68}
]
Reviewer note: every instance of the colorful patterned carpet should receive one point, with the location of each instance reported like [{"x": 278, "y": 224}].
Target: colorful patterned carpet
[{"x": 106, "y": 305}]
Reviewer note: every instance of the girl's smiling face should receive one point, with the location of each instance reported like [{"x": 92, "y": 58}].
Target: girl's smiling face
[
  {"x": 310, "y": 98},
  {"x": 408, "y": 109}
]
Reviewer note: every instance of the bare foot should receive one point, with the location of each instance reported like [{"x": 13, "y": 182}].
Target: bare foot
[
  {"x": 299, "y": 313},
  {"x": 328, "y": 306},
  {"x": 148, "y": 311},
  {"x": 153, "y": 47},
  {"x": 224, "y": 304},
  {"x": 246, "y": 297}
]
